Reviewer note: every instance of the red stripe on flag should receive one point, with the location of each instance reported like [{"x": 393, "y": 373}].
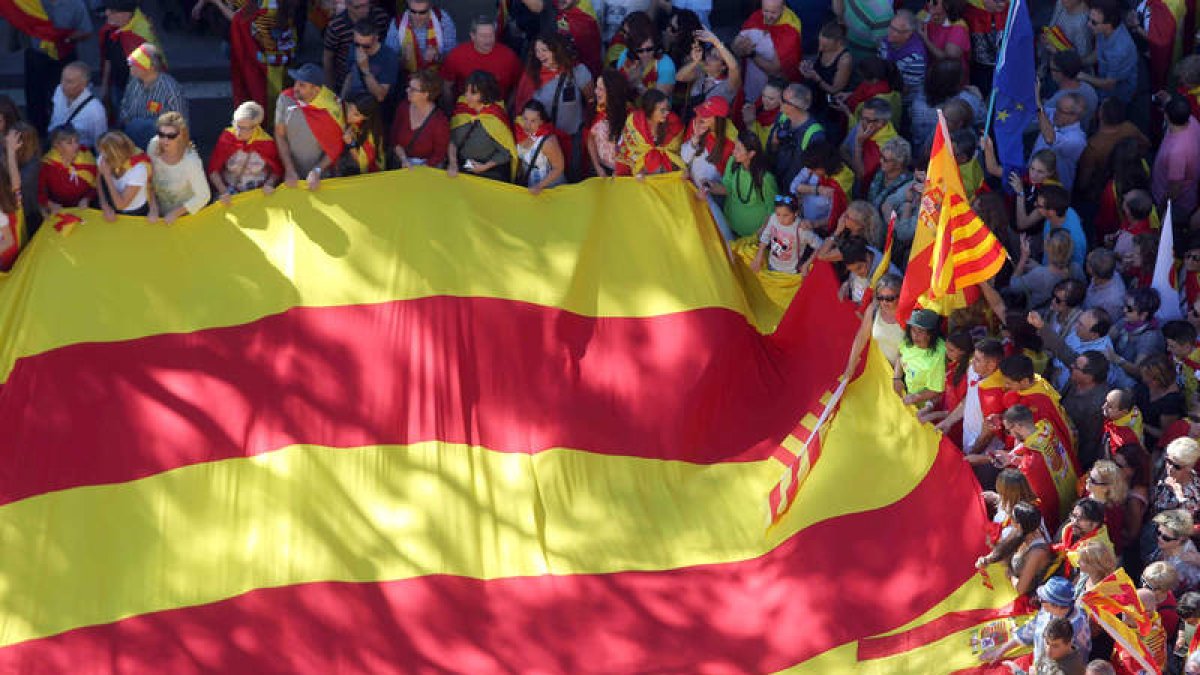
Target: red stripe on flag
[
  {"x": 965, "y": 241},
  {"x": 827, "y": 585},
  {"x": 947, "y": 624},
  {"x": 701, "y": 386},
  {"x": 981, "y": 264}
]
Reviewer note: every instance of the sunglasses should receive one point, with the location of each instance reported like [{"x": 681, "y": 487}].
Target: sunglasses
[
  {"x": 1167, "y": 537},
  {"x": 785, "y": 199},
  {"x": 1130, "y": 308},
  {"x": 887, "y": 298},
  {"x": 1194, "y": 257},
  {"x": 1175, "y": 466},
  {"x": 1093, "y": 481},
  {"x": 170, "y": 136},
  {"x": 644, "y": 50}
]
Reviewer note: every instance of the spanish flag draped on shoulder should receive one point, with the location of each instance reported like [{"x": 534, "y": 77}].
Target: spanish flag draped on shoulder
[{"x": 953, "y": 250}]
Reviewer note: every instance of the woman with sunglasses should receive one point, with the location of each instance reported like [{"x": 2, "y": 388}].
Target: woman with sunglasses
[
  {"x": 879, "y": 324},
  {"x": 644, "y": 63},
  {"x": 1180, "y": 486},
  {"x": 1106, "y": 483},
  {"x": 179, "y": 184},
  {"x": 1173, "y": 544}
]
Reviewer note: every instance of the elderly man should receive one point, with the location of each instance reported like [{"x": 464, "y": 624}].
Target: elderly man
[
  {"x": 1060, "y": 131},
  {"x": 308, "y": 127},
  {"x": 905, "y": 49},
  {"x": 45, "y": 59},
  {"x": 339, "y": 37},
  {"x": 770, "y": 43},
  {"x": 75, "y": 104},
  {"x": 1090, "y": 334},
  {"x": 423, "y": 35},
  {"x": 484, "y": 53},
  {"x": 150, "y": 93}
]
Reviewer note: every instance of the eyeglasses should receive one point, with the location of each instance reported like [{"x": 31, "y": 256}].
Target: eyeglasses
[
  {"x": 644, "y": 50},
  {"x": 1093, "y": 481},
  {"x": 1130, "y": 308},
  {"x": 1167, "y": 537},
  {"x": 887, "y": 298},
  {"x": 1194, "y": 257},
  {"x": 170, "y": 136}
]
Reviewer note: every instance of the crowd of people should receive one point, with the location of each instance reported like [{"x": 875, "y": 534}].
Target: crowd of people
[{"x": 1069, "y": 385}]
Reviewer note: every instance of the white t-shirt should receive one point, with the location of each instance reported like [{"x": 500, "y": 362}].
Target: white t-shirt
[
  {"x": 135, "y": 176},
  {"x": 786, "y": 244}
]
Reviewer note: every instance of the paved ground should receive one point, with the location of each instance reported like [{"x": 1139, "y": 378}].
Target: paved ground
[{"x": 201, "y": 61}]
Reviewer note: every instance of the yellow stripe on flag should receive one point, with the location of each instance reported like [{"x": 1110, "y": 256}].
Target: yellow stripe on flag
[
  {"x": 399, "y": 512},
  {"x": 603, "y": 248}
]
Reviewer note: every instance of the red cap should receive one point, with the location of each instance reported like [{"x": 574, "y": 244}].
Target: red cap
[{"x": 716, "y": 106}]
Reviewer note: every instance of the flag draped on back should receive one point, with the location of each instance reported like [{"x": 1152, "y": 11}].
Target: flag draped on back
[
  {"x": 1014, "y": 98},
  {"x": 29, "y": 17},
  {"x": 953, "y": 249}
]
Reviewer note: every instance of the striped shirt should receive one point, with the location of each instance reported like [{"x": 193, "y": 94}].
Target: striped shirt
[{"x": 148, "y": 102}]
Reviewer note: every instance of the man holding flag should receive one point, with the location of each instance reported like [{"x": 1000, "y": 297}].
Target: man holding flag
[{"x": 1013, "y": 104}]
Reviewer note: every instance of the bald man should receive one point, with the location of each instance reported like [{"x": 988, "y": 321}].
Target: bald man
[{"x": 75, "y": 103}]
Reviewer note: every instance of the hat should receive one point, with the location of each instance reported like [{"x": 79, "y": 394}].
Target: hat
[
  {"x": 1057, "y": 591},
  {"x": 717, "y": 106},
  {"x": 121, "y": 5},
  {"x": 925, "y": 318},
  {"x": 310, "y": 73},
  {"x": 143, "y": 56}
]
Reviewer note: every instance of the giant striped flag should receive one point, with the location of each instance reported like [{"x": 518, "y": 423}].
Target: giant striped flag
[{"x": 459, "y": 429}]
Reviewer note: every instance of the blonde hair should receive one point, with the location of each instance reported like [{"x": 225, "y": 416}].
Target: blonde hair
[
  {"x": 865, "y": 213},
  {"x": 116, "y": 148},
  {"x": 249, "y": 112},
  {"x": 1116, "y": 487},
  {"x": 1185, "y": 451},
  {"x": 1059, "y": 248},
  {"x": 1098, "y": 554},
  {"x": 1176, "y": 521},
  {"x": 175, "y": 119},
  {"x": 1161, "y": 576}
]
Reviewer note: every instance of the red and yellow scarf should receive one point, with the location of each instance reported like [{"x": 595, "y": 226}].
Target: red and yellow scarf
[
  {"x": 410, "y": 51},
  {"x": 710, "y": 142},
  {"x": 83, "y": 167},
  {"x": 494, "y": 120},
  {"x": 640, "y": 150},
  {"x": 259, "y": 142}
]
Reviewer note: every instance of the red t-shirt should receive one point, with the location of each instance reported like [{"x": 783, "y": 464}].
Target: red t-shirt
[
  {"x": 430, "y": 145},
  {"x": 464, "y": 60}
]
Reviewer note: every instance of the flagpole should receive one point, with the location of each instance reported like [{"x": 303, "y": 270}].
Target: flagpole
[{"x": 1008, "y": 22}]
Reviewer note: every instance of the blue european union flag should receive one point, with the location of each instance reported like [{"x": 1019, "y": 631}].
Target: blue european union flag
[{"x": 1014, "y": 84}]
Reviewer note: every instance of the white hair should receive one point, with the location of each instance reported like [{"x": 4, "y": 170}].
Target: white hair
[{"x": 248, "y": 112}]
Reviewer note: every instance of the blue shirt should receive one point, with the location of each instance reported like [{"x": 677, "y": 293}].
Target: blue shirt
[
  {"x": 1117, "y": 59},
  {"x": 1069, "y": 143},
  {"x": 1074, "y": 227}
]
